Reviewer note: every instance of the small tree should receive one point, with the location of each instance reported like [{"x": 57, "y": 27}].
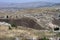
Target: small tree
[
  {"x": 10, "y": 28},
  {"x": 7, "y": 16},
  {"x": 13, "y": 25}
]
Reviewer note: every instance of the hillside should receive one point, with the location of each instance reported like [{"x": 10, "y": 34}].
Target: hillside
[{"x": 30, "y": 23}]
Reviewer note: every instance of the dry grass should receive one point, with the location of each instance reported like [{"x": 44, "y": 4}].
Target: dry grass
[{"x": 23, "y": 32}]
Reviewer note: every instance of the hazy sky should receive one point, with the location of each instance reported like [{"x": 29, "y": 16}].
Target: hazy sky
[{"x": 23, "y": 1}]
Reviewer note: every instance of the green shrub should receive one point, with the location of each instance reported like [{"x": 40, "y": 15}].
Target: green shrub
[
  {"x": 13, "y": 25},
  {"x": 45, "y": 38}
]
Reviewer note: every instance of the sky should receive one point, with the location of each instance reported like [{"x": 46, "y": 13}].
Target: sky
[{"x": 25, "y": 1}]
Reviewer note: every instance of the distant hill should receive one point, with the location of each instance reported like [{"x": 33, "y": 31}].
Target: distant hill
[
  {"x": 26, "y": 5},
  {"x": 57, "y": 4}
]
